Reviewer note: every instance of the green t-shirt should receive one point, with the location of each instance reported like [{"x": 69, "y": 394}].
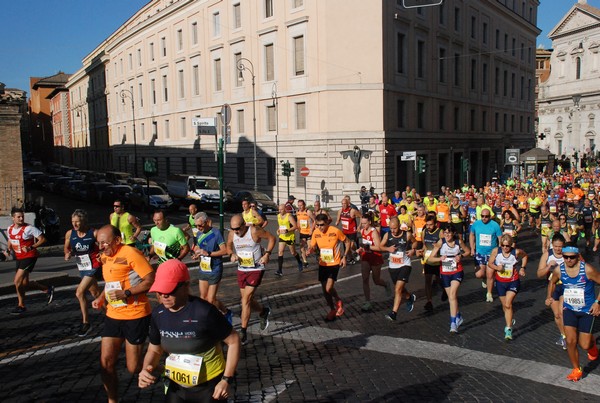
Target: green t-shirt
[{"x": 167, "y": 243}]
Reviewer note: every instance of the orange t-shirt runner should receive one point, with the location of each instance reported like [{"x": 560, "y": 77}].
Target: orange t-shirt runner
[
  {"x": 330, "y": 246},
  {"x": 121, "y": 272}
]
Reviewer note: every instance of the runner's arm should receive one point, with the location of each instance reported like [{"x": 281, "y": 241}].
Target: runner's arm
[
  {"x": 67, "y": 245},
  {"x": 133, "y": 220},
  {"x": 151, "y": 361},
  {"x": 492, "y": 259}
]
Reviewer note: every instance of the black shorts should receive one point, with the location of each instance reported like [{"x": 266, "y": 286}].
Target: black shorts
[
  {"x": 26, "y": 264},
  {"x": 135, "y": 331},
  {"x": 535, "y": 214},
  {"x": 353, "y": 238},
  {"x": 328, "y": 272},
  {"x": 305, "y": 237},
  {"x": 200, "y": 393},
  {"x": 433, "y": 270},
  {"x": 582, "y": 321},
  {"x": 459, "y": 227},
  {"x": 401, "y": 274},
  {"x": 288, "y": 241}
]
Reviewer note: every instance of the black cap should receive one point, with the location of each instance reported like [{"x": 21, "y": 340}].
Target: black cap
[{"x": 291, "y": 197}]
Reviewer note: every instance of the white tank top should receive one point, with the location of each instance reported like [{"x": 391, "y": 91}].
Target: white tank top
[{"x": 248, "y": 252}]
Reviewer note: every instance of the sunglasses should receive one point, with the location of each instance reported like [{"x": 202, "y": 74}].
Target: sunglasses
[
  {"x": 117, "y": 206},
  {"x": 506, "y": 246},
  {"x": 320, "y": 225},
  {"x": 485, "y": 216},
  {"x": 169, "y": 294},
  {"x": 569, "y": 257},
  {"x": 236, "y": 228}
]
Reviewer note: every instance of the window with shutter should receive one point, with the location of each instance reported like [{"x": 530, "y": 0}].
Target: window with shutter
[{"x": 299, "y": 55}]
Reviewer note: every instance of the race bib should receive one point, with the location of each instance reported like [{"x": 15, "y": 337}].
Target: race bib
[
  {"x": 573, "y": 229},
  {"x": 507, "y": 271},
  {"x": 304, "y": 224},
  {"x": 205, "y": 263},
  {"x": 160, "y": 249},
  {"x": 419, "y": 231},
  {"x": 485, "y": 240},
  {"x": 114, "y": 285},
  {"x": 396, "y": 259},
  {"x": 345, "y": 225},
  {"x": 183, "y": 369},
  {"x": 448, "y": 265},
  {"x": 575, "y": 297},
  {"x": 246, "y": 259},
  {"x": 84, "y": 263},
  {"x": 387, "y": 222},
  {"x": 553, "y": 209},
  {"x": 508, "y": 231},
  {"x": 326, "y": 255},
  {"x": 195, "y": 232},
  {"x": 441, "y": 215},
  {"x": 16, "y": 245},
  {"x": 454, "y": 217},
  {"x": 521, "y": 205}
]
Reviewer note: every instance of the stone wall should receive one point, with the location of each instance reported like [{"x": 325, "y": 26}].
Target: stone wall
[{"x": 11, "y": 166}]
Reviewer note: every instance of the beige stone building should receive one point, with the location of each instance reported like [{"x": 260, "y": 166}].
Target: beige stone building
[
  {"x": 342, "y": 87},
  {"x": 569, "y": 100}
]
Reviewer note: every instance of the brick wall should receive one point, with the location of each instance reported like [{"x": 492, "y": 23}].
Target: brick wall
[{"x": 11, "y": 166}]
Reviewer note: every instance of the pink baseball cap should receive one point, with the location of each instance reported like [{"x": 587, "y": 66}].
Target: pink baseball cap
[{"x": 168, "y": 275}]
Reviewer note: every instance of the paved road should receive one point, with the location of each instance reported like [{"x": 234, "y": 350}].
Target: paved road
[{"x": 361, "y": 357}]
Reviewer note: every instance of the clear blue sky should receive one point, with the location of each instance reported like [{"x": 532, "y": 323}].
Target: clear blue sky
[{"x": 41, "y": 37}]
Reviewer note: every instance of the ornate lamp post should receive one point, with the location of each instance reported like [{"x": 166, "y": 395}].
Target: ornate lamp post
[
  {"x": 124, "y": 93},
  {"x": 246, "y": 65}
]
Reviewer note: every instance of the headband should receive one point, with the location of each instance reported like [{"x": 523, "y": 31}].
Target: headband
[{"x": 570, "y": 249}]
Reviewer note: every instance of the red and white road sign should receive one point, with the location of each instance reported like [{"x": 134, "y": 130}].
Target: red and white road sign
[{"x": 304, "y": 171}]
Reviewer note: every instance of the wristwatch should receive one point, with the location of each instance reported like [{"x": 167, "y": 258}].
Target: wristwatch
[
  {"x": 228, "y": 379},
  {"x": 127, "y": 293}
]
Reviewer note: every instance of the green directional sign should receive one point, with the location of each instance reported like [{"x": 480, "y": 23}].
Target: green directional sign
[{"x": 150, "y": 167}]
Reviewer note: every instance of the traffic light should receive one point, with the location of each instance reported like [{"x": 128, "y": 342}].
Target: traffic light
[
  {"x": 465, "y": 164},
  {"x": 286, "y": 168},
  {"x": 421, "y": 165}
]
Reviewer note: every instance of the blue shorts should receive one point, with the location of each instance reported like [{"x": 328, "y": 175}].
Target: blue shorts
[
  {"x": 481, "y": 260},
  {"x": 582, "y": 321},
  {"x": 213, "y": 277},
  {"x": 447, "y": 279},
  {"x": 503, "y": 287},
  {"x": 559, "y": 289}
]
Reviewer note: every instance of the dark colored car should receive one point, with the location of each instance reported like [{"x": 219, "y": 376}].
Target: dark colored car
[
  {"x": 158, "y": 199},
  {"x": 263, "y": 202},
  {"x": 113, "y": 192},
  {"x": 94, "y": 191}
]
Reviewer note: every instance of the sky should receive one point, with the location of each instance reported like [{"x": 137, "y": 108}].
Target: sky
[{"x": 39, "y": 38}]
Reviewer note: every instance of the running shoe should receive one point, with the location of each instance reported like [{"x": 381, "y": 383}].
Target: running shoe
[
  {"x": 84, "y": 329},
  {"x": 488, "y": 297},
  {"x": 366, "y": 307},
  {"x": 593, "y": 353},
  {"x": 244, "y": 339},
  {"x": 19, "y": 310},
  {"x": 483, "y": 284},
  {"x": 264, "y": 318},
  {"x": 391, "y": 316},
  {"x": 305, "y": 264},
  {"x": 229, "y": 316},
  {"x": 389, "y": 291},
  {"x": 410, "y": 303},
  {"x": 575, "y": 375},
  {"x": 562, "y": 342},
  {"x": 429, "y": 306},
  {"x": 459, "y": 321},
  {"x": 50, "y": 293},
  {"x": 339, "y": 308},
  {"x": 453, "y": 327},
  {"x": 507, "y": 333},
  {"x": 279, "y": 273},
  {"x": 300, "y": 266},
  {"x": 331, "y": 316}
]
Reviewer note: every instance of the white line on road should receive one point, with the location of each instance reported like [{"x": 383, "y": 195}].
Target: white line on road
[{"x": 49, "y": 350}]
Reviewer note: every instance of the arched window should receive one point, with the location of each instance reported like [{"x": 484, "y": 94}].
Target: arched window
[{"x": 592, "y": 118}]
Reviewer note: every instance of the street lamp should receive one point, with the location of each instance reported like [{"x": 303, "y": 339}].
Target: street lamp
[
  {"x": 241, "y": 66},
  {"x": 276, "y": 106},
  {"x": 128, "y": 94}
]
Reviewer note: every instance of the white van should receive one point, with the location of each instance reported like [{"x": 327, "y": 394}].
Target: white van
[{"x": 187, "y": 189}]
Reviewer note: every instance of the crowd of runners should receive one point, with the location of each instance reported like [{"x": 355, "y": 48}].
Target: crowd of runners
[{"x": 448, "y": 232}]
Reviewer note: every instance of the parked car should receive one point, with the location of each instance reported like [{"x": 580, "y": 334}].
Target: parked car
[
  {"x": 93, "y": 191},
  {"x": 57, "y": 184},
  {"x": 118, "y": 178},
  {"x": 263, "y": 202},
  {"x": 201, "y": 190},
  {"x": 159, "y": 199},
  {"x": 114, "y": 192},
  {"x": 73, "y": 189}
]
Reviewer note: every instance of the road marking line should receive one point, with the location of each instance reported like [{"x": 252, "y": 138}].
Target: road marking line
[{"x": 50, "y": 350}]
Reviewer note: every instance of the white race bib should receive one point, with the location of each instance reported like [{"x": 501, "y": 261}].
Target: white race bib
[
  {"x": 246, "y": 259},
  {"x": 205, "y": 263},
  {"x": 304, "y": 224},
  {"x": 84, "y": 263},
  {"x": 16, "y": 245},
  {"x": 114, "y": 285},
  {"x": 160, "y": 249},
  {"x": 448, "y": 265},
  {"x": 345, "y": 225},
  {"x": 327, "y": 255},
  {"x": 485, "y": 240},
  {"x": 396, "y": 259},
  {"x": 183, "y": 369},
  {"x": 507, "y": 271},
  {"x": 575, "y": 297}
]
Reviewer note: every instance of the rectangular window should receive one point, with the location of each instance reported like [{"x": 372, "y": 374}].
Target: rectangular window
[
  {"x": 442, "y": 13},
  {"x": 473, "y": 26},
  {"x": 139, "y": 57},
  {"x": 151, "y": 49},
  {"x": 400, "y": 53},
  {"x": 456, "y": 18},
  {"x": 181, "y": 82},
  {"x": 456, "y": 69},
  {"x": 142, "y": 131},
  {"x": 484, "y": 121},
  {"x": 512, "y": 123},
  {"x": 484, "y": 77},
  {"x": 442, "y": 66},
  {"x": 496, "y": 81},
  {"x": 299, "y": 55},
  {"x": 194, "y": 33},
  {"x": 140, "y": 95},
  {"x": 300, "y": 116},
  {"x": 456, "y": 118},
  {"x": 271, "y": 119},
  {"x": 241, "y": 170},
  {"x": 521, "y": 121},
  {"x": 167, "y": 129},
  {"x": 165, "y": 88},
  {"x": 441, "y": 117},
  {"x": 183, "y": 129},
  {"x": 240, "y": 120},
  {"x": 497, "y": 39},
  {"x": 496, "y": 122},
  {"x": 505, "y": 122},
  {"x": 420, "y": 115},
  {"x": 514, "y": 47},
  {"x": 218, "y": 81},
  {"x": 420, "y": 59},
  {"x": 237, "y": 16},
  {"x": 505, "y": 83},
  {"x": 512, "y": 85},
  {"x": 179, "y": 39},
  {"x": 216, "y": 24},
  {"x": 155, "y": 130},
  {"x": 522, "y": 49},
  {"x": 237, "y": 58},
  {"x": 163, "y": 46},
  {"x": 271, "y": 170},
  {"x": 153, "y": 90},
  {"x": 268, "y": 8},
  {"x": 484, "y": 33},
  {"x": 522, "y": 88},
  {"x": 196, "y": 79},
  {"x": 297, "y": 3},
  {"x": 473, "y": 73},
  {"x": 505, "y": 43},
  {"x": 269, "y": 63},
  {"x": 400, "y": 113},
  {"x": 529, "y": 89},
  {"x": 130, "y": 61},
  {"x": 472, "y": 119}
]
